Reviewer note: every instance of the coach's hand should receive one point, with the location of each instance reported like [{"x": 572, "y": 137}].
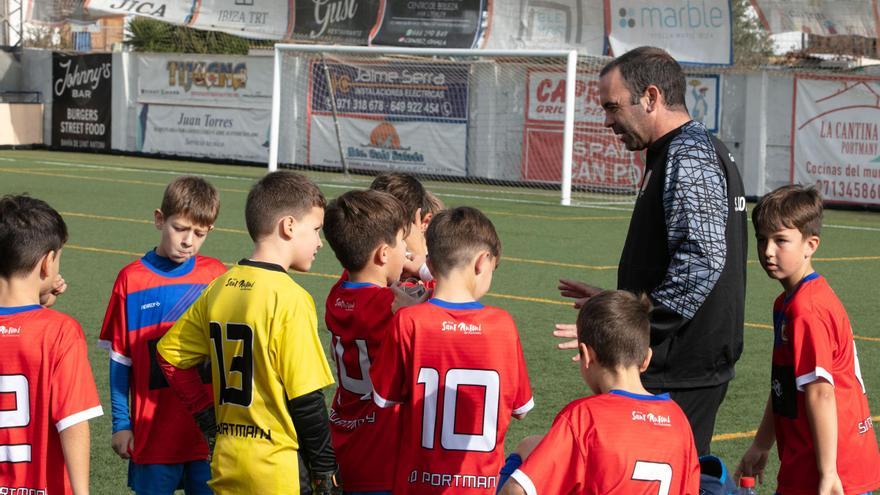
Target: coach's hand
[
  {"x": 567, "y": 331},
  {"x": 578, "y": 291},
  {"x": 123, "y": 443}
]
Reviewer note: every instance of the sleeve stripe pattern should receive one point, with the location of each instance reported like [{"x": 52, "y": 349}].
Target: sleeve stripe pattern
[
  {"x": 520, "y": 411},
  {"x": 119, "y": 358},
  {"x": 695, "y": 201},
  {"x": 381, "y": 402},
  {"x": 811, "y": 377},
  {"x": 524, "y": 481},
  {"x": 79, "y": 417}
]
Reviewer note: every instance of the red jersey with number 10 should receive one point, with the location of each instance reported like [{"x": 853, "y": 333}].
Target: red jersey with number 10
[
  {"x": 365, "y": 436},
  {"x": 46, "y": 386},
  {"x": 458, "y": 370},
  {"x": 615, "y": 443}
]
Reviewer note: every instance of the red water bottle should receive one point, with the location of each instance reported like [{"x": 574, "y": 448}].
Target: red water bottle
[{"x": 747, "y": 486}]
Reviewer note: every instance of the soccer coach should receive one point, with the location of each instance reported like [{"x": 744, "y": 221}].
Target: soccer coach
[{"x": 686, "y": 245}]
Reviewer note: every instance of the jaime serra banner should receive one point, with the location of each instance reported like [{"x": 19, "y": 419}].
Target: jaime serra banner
[
  {"x": 226, "y": 133},
  {"x": 836, "y": 138},
  {"x": 600, "y": 158},
  {"x": 81, "y": 96},
  {"x": 410, "y": 117},
  {"x": 692, "y": 31},
  {"x": 206, "y": 80},
  {"x": 431, "y": 23}
]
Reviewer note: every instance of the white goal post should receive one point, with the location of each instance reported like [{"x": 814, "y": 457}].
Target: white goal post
[{"x": 453, "y": 113}]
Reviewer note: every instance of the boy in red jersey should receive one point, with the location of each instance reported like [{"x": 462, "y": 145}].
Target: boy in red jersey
[
  {"x": 419, "y": 210},
  {"x": 47, "y": 389},
  {"x": 455, "y": 365},
  {"x": 165, "y": 446},
  {"x": 623, "y": 440},
  {"x": 366, "y": 231},
  {"x": 817, "y": 412}
]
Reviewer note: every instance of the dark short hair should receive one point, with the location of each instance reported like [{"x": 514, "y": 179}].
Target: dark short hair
[
  {"x": 357, "y": 222},
  {"x": 192, "y": 197},
  {"x": 29, "y": 228},
  {"x": 647, "y": 65},
  {"x": 278, "y": 194},
  {"x": 455, "y": 235},
  {"x": 789, "y": 207},
  {"x": 406, "y": 188},
  {"x": 616, "y": 325}
]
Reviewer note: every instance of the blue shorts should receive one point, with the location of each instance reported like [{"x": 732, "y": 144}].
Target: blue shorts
[{"x": 163, "y": 479}]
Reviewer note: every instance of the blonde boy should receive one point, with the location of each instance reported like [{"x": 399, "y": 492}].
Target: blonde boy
[
  {"x": 817, "y": 412},
  {"x": 259, "y": 329}
]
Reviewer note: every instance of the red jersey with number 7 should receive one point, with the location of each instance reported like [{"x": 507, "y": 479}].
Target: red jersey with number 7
[
  {"x": 46, "y": 386},
  {"x": 615, "y": 443},
  {"x": 459, "y": 373},
  {"x": 365, "y": 436}
]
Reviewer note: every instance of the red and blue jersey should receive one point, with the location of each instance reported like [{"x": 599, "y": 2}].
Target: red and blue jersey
[
  {"x": 46, "y": 386},
  {"x": 365, "y": 436},
  {"x": 149, "y": 295},
  {"x": 615, "y": 443},
  {"x": 813, "y": 340}
]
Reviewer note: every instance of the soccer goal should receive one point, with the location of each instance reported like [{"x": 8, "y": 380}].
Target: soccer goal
[{"x": 524, "y": 123}]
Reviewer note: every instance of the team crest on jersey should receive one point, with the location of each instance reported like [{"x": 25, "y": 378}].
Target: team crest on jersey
[
  {"x": 9, "y": 331},
  {"x": 461, "y": 327},
  {"x": 654, "y": 419},
  {"x": 343, "y": 304}
]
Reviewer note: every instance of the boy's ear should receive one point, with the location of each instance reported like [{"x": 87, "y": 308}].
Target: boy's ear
[
  {"x": 587, "y": 355},
  {"x": 647, "y": 360},
  {"x": 286, "y": 225},
  {"x": 426, "y": 220},
  {"x": 158, "y": 218},
  {"x": 812, "y": 244},
  {"x": 381, "y": 254},
  {"x": 46, "y": 263},
  {"x": 483, "y": 262}
]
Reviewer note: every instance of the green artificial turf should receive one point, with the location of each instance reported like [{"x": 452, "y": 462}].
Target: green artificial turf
[{"x": 108, "y": 201}]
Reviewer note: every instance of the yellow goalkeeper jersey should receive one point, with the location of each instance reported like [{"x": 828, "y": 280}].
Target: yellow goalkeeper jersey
[{"x": 259, "y": 329}]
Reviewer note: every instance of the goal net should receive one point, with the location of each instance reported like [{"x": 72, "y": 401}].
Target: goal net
[{"x": 527, "y": 123}]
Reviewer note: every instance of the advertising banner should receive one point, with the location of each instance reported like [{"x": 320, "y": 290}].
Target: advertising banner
[
  {"x": 226, "y": 133},
  {"x": 205, "y": 80},
  {"x": 431, "y": 23},
  {"x": 553, "y": 25},
  {"x": 692, "y": 31},
  {"x": 599, "y": 160},
  {"x": 81, "y": 101},
  {"x": 703, "y": 98},
  {"x": 845, "y": 17},
  {"x": 835, "y": 138},
  {"x": 410, "y": 117},
  {"x": 338, "y": 21},
  {"x": 178, "y": 12},
  {"x": 269, "y": 19}
]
